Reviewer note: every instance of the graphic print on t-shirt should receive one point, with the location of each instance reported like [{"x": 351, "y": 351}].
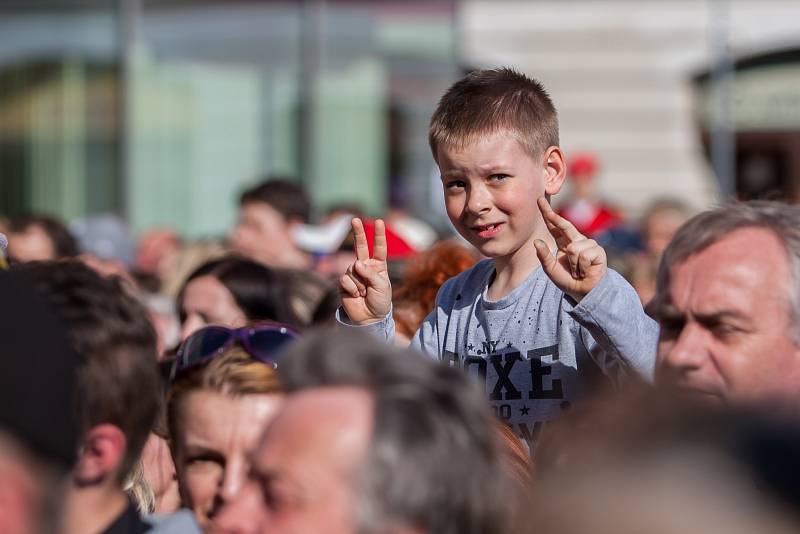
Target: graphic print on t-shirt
[{"x": 525, "y": 388}]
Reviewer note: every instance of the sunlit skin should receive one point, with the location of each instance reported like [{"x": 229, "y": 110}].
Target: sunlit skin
[
  {"x": 205, "y": 302},
  {"x": 217, "y": 437},
  {"x": 726, "y": 326},
  {"x": 159, "y": 472},
  {"x": 495, "y": 180},
  {"x": 264, "y": 235},
  {"x": 305, "y": 469}
]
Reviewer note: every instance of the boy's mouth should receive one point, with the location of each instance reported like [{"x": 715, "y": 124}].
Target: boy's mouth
[{"x": 487, "y": 230}]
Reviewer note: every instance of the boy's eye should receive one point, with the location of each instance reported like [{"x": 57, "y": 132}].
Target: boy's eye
[{"x": 498, "y": 177}]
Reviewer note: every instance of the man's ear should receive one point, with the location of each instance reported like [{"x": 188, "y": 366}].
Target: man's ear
[
  {"x": 101, "y": 455},
  {"x": 555, "y": 170}
]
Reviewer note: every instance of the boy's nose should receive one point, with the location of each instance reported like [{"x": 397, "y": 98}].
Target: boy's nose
[{"x": 478, "y": 201}]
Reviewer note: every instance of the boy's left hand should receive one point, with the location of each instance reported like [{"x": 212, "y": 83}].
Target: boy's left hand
[{"x": 580, "y": 262}]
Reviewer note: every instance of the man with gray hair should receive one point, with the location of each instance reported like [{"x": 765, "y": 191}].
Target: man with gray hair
[
  {"x": 728, "y": 303},
  {"x": 373, "y": 439}
]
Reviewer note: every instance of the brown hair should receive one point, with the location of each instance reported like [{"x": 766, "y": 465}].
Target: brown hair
[
  {"x": 493, "y": 100},
  {"x": 284, "y": 195},
  {"x": 232, "y": 373},
  {"x": 118, "y": 382}
]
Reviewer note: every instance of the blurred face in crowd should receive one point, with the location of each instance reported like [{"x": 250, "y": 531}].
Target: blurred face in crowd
[
  {"x": 33, "y": 244},
  {"x": 305, "y": 469},
  {"x": 214, "y": 444},
  {"x": 205, "y": 302},
  {"x": 659, "y": 229},
  {"x": 262, "y": 234},
  {"x": 726, "y": 323}
]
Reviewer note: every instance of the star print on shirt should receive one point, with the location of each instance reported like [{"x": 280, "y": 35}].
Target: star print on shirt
[{"x": 524, "y": 410}]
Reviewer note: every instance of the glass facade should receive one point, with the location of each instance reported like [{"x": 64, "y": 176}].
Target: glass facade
[{"x": 164, "y": 111}]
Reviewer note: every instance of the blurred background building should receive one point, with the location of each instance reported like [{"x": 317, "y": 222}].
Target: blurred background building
[{"x": 163, "y": 111}]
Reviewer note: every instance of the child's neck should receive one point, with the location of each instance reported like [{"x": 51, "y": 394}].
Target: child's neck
[{"x": 514, "y": 269}]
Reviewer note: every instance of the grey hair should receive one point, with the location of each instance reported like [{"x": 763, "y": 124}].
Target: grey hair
[
  {"x": 434, "y": 462},
  {"x": 708, "y": 227}
]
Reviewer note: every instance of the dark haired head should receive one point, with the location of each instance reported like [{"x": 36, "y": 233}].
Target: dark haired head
[
  {"x": 260, "y": 292},
  {"x": 119, "y": 382},
  {"x": 64, "y": 244},
  {"x": 35, "y": 385},
  {"x": 284, "y": 196}
]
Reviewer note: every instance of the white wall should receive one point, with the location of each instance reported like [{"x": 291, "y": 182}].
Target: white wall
[{"x": 620, "y": 74}]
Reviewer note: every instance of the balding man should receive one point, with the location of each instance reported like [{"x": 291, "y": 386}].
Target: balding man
[{"x": 728, "y": 302}]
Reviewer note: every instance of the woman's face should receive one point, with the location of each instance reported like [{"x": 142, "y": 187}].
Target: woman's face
[
  {"x": 206, "y": 301},
  {"x": 216, "y": 434}
]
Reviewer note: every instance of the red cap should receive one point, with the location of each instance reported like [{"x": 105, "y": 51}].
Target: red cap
[
  {"x": 396, "y": 246},
  {"x": 582, "y": 165}
]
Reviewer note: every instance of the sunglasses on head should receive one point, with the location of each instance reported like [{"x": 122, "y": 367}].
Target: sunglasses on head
[{"x": 262, "y": 342}]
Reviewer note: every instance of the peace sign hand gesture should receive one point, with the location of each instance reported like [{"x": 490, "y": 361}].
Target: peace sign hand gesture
[
  {"x": 580, "y": 262},
  {"x": 365, "y": 288}
]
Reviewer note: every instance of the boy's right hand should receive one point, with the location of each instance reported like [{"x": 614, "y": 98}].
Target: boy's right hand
[{"x": 365, "y": 288}]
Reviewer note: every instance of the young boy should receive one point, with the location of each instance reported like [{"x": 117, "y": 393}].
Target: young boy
[{"x": 534, "y": 324}]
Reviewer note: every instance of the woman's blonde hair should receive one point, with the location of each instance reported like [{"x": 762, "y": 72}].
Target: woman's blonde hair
[
  {"x": 233, "y": 373},
  {"x": 139, "y": 490}
]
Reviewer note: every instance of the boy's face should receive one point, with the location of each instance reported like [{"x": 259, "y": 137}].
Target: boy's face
[{"x": 490, "y": 191}]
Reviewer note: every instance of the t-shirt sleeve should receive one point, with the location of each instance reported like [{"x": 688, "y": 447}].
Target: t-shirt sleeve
[
  {"x": 382, "y": 330},
  {"x": 620, "y": 332}
]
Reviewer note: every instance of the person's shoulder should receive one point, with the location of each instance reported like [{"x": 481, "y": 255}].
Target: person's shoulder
[{"x": 469, "y": 281}]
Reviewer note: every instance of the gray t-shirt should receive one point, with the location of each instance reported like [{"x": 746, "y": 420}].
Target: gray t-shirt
[{"x": 535, "y": 349}]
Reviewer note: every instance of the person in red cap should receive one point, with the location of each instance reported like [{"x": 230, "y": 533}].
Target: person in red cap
[{"x": 590, "y": 215}]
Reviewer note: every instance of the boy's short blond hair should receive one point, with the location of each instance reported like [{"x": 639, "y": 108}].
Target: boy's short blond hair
[{"x": 490, "y": 101}]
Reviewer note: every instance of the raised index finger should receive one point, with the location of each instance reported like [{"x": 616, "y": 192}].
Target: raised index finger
[
  {"x": 554, "y": 219},
  {"x": 360, "y": 238},
  {"x": 379, "y": 248}
]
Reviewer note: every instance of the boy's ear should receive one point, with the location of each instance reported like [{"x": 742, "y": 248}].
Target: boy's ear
[
  {"x": 555, "y": 169},
  {"x": 101, "y": 455}
]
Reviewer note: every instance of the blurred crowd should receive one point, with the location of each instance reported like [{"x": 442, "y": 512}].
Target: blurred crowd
[
  {"x": 153, "y": 384},
  {"x": 274, "y": 242}
]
